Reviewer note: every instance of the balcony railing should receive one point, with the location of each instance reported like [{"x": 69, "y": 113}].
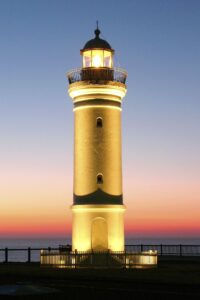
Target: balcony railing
[{"x": 96, "y": 75}]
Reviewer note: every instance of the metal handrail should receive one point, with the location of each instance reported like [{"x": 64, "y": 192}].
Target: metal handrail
[
  {"x": 97, "y": 74},
  {"x": 162, "y": 250}
]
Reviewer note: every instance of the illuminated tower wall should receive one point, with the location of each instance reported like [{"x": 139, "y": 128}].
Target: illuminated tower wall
[{"x": 97, "y": 90}]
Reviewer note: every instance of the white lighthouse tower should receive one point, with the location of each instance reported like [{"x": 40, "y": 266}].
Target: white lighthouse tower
[{"x": 97, "y": 90}]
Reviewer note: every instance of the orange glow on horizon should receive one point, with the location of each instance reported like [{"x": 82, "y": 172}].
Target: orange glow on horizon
[
  {"x": 57, "y": 227},
  {"x": 38, "y": 204}
]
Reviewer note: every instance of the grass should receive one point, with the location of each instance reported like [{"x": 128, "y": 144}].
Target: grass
[
  {"x": 177, "y": 277},
  {"x": 186, "y": 272}
]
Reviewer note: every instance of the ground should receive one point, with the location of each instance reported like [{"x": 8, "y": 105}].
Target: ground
[{"x": 172, "y": 279}]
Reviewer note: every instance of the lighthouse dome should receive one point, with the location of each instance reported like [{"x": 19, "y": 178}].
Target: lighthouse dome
[{"x": 97, "y": 43}]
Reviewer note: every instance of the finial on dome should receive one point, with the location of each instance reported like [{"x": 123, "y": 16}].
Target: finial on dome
[
  {"x": 97, "y": 31},
  {"x": 96, "y": 42}
]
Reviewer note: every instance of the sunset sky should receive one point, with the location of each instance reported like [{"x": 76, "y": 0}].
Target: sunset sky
[{"x": 158, "y": 43}]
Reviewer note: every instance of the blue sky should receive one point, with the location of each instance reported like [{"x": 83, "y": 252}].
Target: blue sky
[{"x": 157, "y": 42}]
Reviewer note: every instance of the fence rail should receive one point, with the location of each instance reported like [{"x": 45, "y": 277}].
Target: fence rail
[
  {"x": 101, "y": 259},
  {"x": 33, "y": 254},
  {"x": 167, "y": 250},
  {"x": 96, "y": 75}
]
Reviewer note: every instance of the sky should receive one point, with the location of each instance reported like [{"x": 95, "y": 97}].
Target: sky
[{"x": 158, "y": 43}]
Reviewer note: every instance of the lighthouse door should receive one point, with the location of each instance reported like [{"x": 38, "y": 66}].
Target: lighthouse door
[{"x": 99, "y": 235}]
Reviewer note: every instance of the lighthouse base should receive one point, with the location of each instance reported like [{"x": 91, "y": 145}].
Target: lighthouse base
[{"x": 98, "y": 227}]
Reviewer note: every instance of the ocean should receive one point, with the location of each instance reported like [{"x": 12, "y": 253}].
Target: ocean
[{"x": 21, "y": 256}]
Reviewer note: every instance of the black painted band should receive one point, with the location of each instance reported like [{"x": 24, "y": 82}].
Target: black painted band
[
  {"x": 98, "y": 102},
  {"x": 98, "y": 197}
]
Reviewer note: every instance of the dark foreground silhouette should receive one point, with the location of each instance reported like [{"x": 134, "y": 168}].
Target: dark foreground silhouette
[{"x": 172, "y": 279}]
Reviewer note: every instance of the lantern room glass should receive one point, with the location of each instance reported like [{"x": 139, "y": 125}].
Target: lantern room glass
[
  {"x": 97, "y": 58},
  {"x": 107, "y": 59}
]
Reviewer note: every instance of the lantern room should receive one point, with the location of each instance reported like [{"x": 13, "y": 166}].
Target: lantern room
[{"x": 97, "y": 53}]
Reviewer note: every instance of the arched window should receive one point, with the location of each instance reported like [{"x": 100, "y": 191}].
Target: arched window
[
  {"x": 99, "y": 179},
  {"x": 99, "y": 122}
]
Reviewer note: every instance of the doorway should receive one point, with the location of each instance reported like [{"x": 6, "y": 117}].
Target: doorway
[{"x": 99, "y": 235}]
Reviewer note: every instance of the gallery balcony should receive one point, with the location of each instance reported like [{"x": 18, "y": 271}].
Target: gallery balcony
[{"x": 97, "y": 75}]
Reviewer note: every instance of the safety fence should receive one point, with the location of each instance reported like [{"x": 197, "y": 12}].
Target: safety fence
[
  {"x": 98, "y": 259},
  {"x": 33, "y": 254},
  {"x": 167, "y": 250}
]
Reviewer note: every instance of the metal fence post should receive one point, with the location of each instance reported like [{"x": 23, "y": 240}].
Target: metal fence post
[
  {"x": 161, "y": 249},
  {"x": 29, "y": 255},
  {"x": 141, "y": 247},
  {"x": 180, "y": 250},
  {"x": 108, "y": 258},
  {"x": 75, "y": 257},
  {"x": 92, "y": 258},
  {"x": 6, "y": 255}
]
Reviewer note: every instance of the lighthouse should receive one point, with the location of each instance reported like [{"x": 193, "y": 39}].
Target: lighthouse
[{"x": 97, "y": 90}]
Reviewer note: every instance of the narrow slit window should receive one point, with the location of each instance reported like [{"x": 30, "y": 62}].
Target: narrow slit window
[
  {"x": 99, "y": 179},
  {"x": 99, "y": 122}
]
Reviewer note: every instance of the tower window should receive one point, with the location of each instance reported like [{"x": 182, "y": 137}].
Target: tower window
[
  {"x": 99, "y": 122},
  {"x": 99, "y": 179}
]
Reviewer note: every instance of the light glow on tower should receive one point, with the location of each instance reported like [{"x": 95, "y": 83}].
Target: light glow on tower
[{"x": 97, "y": 91}]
